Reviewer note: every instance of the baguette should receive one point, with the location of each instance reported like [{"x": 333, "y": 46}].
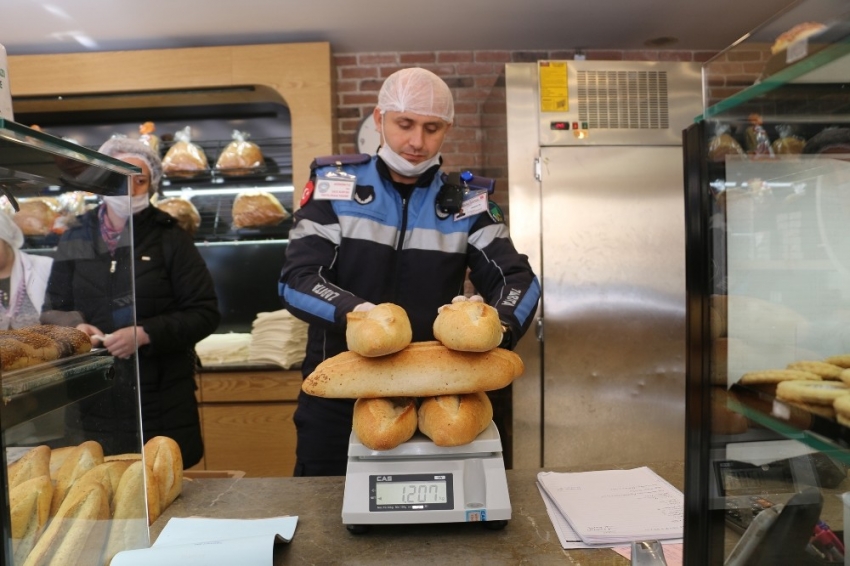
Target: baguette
[
  {"x": 385, "y": 422},
  {"x": 57, "y": 458},
  {"x": 35, "y": 463},
  {"x": 77, "y": 533},
  {"x": 454, "y": 420},
  {"x": 423, "y": 369},
  {"x": 130, "y": 519},
  {"x": 165, "y": 461},
  {"x": 86, "y": 456},
  {"x": 468, "y": 326},
  {"x": 107, "y": 474},
  {"x": 29, "y": 503},
  {"x": 383, "y": 330}
]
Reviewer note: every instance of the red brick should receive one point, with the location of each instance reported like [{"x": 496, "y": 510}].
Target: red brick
[
  {"x": 454, "y": 57},
  {"x": 478, "y": 68},
  {"x": 721, "y": 68},
  {"x": 349, "y": 99},
  {"x": 603, "y": 55},
  {"x": 467, "y": 120},
  {"x": 486, "y": 81},
  {"x": 464, "y": 134},
  {"x": 466, "y": 107},
  {"x": 348, "y": 125},
  {"x": 561, "y": 55},
  {"x": 492, "y": 56},
  {"x": 417, "y": 58},
  {"x": 642, "y": 55},
  {"x": 703, "y": 56},
  {"x": 494, "y": 107},
  {"x": 742, "y": 55},
  {"x": 347, "y": 86},
  {"x": 493, "y": 120},
  {"x": 669, "y": 55},
  {"x": 377, "y": 58},
  {"x": 358, "y": 72},
  {"x": 345, "y": 60},
  {"x": 753, "y": 68},
  {"x": 472, "y": 94},
  {"x": 371, "y": 85}
]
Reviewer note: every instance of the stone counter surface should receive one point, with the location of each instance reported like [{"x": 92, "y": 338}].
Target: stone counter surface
[{"x": 322, "y": 539}]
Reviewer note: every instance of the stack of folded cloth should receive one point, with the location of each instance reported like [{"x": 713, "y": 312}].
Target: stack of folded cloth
[
  {"x": 278, "y": 338},
  {"x": 224, "y": 349}
]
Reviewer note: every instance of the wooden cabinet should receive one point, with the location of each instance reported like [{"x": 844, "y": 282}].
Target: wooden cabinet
[{"x": 246, "y": 417}]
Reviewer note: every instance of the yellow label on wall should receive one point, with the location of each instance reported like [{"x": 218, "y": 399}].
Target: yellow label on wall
[{"x": 554, "y": 96}]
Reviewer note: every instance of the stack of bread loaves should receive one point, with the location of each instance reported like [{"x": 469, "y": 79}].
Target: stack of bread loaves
[
  {"x": 74, "y": 506},
  {"x": 448, "y": 378},
  {"x": 38, "y": 344}
]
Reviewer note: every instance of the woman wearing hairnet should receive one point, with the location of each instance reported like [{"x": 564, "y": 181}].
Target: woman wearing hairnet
[
  {"x": 176, "y": 307},
  {"x": 391, "y": 239},
  {"x": 23, "y": 278}
]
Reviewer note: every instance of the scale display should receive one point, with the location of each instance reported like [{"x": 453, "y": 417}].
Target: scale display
[{"x": 411, "y": 492}]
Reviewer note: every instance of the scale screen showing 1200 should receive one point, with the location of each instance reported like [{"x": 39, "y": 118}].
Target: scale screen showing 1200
[{"x": 411, "y": 492}]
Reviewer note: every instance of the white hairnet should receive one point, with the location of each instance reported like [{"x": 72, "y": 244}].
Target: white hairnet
[
  {"x": 419, "y": 91},
  {"x": 118, "y": 146},
  {"x": 9, "y": 231}
]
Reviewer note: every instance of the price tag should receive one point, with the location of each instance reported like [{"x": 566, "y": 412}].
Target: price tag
[{"x": 797, "y": 50}]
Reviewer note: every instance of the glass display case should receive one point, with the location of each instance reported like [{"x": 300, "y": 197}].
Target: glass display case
[{"x": 62, "y": 468}]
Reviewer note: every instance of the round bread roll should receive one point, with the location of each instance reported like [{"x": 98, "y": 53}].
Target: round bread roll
[
  {"x": 468, "y": 326},
  {"x": 184, "y": 159},
  {"x": 385, "y": 422},
  {"x": 454, "y": 420},
  {"x": 36, "y": 216},
  {"x": 164, "y": 459},
  {"x": 385, "y": 329},
  {"x": 256, "y": 209}
]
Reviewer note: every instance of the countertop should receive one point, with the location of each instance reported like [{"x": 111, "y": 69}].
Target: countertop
[{"x": 321, "y": 538}]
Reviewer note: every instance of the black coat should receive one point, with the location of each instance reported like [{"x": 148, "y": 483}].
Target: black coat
[{"x": 177, "y": 306}]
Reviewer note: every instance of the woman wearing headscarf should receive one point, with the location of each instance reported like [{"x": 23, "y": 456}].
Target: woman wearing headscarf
[
  {"x": 175, "y": 308},
  {"x": 23, "y": 278}
]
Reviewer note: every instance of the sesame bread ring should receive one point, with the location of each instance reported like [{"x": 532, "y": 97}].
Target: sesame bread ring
[
  {"x": 823, "y": 369},
  {"x": 842, "y": 360},
  {"x": 777, "y": 376},
  {"x": 815, "y": 392}
]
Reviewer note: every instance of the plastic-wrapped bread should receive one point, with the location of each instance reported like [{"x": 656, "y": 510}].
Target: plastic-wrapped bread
[
  {"x": 723, "y": 144},
  {"x": 256, "y": 209},
  {"x": 183, "y": 211},
  {"x": 184, "y": 158},
  {"x": 148, "y": 137},
  {"x": 37, "y": 216},
  {"x": 796, "y": 33},
  {"x": 240, "y": 157},
  {"x": 787, "y": 143}
]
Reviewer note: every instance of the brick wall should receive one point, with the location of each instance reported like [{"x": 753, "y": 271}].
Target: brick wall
[{"x": 478, "y": 140}]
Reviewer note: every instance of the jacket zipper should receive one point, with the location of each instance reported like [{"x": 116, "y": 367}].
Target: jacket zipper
[{"x": 404, "y": 203}]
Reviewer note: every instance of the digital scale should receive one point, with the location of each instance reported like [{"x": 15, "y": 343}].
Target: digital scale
[{"x": 420, "y": 482}]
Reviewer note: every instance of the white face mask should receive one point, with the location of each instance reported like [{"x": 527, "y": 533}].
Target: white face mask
[
  {"x": 401, "y": 165},
  {"x": 123, "y": 207}
]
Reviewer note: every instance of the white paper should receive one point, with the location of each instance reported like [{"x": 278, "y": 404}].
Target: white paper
[
  {"x": 212, "y": 542},
  {"x": 617, "y": 506},
  {"x": 566, "y": 535}
]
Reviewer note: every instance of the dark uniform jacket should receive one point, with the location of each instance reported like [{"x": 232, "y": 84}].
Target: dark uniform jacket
[
  {"x": 176, "y": 304},
  {"x": 386, "y": 246}
]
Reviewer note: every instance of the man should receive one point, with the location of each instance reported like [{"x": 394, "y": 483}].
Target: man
[{"x": 380, "y": 229}]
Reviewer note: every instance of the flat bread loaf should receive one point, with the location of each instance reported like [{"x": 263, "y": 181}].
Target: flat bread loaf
[
  {"x": 423, "y": 369},
  {"x": 454, "y": 420},
  {"x": 384, "y": 329},
  {"x": 468, "y": 326}
]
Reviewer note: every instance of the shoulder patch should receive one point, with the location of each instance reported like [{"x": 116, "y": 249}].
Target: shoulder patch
[
  {"x": 307, "y": 193},
  {"x": 495, "y": 212}
]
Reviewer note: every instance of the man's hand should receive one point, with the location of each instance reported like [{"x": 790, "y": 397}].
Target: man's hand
[{"x": 121, "y": 344}]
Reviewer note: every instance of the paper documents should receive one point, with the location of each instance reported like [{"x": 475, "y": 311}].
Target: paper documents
[
  {"x": 616, "y": 506},
  {"x": 212, "y": 542}
]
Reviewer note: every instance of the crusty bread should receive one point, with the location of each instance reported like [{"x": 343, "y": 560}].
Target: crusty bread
[
  {"x": 385, "y": 422},
  {"x": 76, "y": 535},
  {"x": 240, "y": 157},
  {"x": 256, "y": 209},
  {"x": 183, "y": 211},
  {"x": 184, "y": 159},
  {"x": 468, "y": 326},
  {"x": 165, "y": 461},
  {"x": 86, "y": 456},
  {"x": 29, "y": 503},
  {"x": 384, "y": 329},
  {"x": 69, "y": 340},
  {"x": 57, "y": 458},
  {"x": 108, "y": 474},
  {"x": 35, "y": 463},
  {"x": 129, "y": 456},
  {"x": 423, "y": 369},
  {"x": 796, "y": 33},
  {"x": 454, "y": 420},
  {"x": 129, "y": 518}
]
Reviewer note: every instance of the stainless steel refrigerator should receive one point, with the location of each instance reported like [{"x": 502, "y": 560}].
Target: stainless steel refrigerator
[{"x": 597, "y": 202}]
